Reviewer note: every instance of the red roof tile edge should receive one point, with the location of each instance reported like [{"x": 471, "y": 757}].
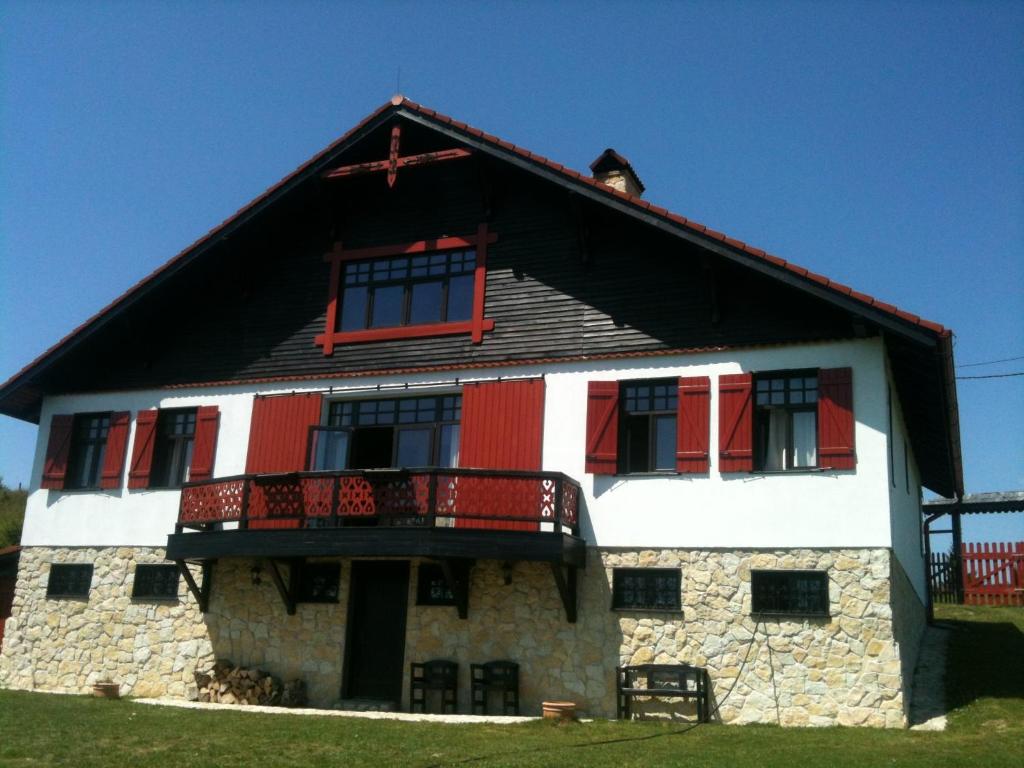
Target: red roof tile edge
[{"x": 399, "y": 102}]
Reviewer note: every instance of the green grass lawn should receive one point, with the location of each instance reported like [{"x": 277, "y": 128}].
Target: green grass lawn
[{"x": 986, "y": 729}]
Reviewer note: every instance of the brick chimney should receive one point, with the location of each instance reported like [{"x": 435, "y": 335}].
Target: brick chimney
[{"x": 613, "y": 169}]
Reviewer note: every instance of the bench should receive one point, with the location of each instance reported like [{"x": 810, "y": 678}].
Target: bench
[{"x": 662, "y": 681}]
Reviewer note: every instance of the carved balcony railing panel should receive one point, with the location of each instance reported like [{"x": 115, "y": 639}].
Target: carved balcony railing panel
[{"x": 460, "y": 498}]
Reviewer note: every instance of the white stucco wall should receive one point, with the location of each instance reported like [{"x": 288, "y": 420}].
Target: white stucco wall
[
  {"x": 812, "y": 509},
  {"x": 905, "y": 502}
]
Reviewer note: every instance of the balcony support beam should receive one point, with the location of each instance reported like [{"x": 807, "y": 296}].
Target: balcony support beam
[
  {"x": 286, "y": 591},
  {"x": 456, "y": 576},
  {"x": 201, "y": 592},
  {"x": 565, "y": 580}
]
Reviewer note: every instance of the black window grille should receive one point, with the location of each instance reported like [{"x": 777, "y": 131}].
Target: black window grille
[
  {"x": 803, "y": 593},
  {"x": 407, "y": 290},
  {"x": 88, "y": 446},
  {"x": 431, "y": 587},
  {"x": 655, "y": 589},
  {"x": 156, "y": 581},
  {"x": 648, "y": 426},
  {"x": 69, "y": 580},
  {"x": 318, "y": 582}
]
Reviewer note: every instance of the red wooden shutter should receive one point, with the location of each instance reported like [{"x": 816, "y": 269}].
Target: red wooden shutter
[
  {"x": 279, "y": 432},
  {"x": 502, "y": 428},
  {"x": 142, "y": 450},
  {"x": 113, "y": 455},
  {"x": 204, "y": 445},
  {"x": 55, "y": 468},
  {"x": 602, "y": 446},
  {"x": 693, "y": 424},
  {"x": 735, "y": 423},
  {"x": 835, "y": 418}
]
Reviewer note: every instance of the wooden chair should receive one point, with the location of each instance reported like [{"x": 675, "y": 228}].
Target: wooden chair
[
  {"x": 435, "y": 675},
  {"x": 495, "y": 676}
]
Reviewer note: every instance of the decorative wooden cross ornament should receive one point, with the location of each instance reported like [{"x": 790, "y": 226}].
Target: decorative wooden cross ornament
[{"x": 394, "y": 162}]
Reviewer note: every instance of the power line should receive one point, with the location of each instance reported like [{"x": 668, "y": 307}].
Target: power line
[
  {"x": 992, "y": 376},
  {"x": 991, "y": 362}
]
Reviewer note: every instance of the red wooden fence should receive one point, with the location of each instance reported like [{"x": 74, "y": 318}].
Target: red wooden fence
[{"x": 993, "y": 574}]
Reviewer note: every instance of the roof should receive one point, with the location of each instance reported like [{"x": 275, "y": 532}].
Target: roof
[
  {"x": 978, "y": 503},
  {"x": 20, "y": 396}
]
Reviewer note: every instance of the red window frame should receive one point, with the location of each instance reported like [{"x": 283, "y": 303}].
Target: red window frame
[{"x": 475, "y": 326}]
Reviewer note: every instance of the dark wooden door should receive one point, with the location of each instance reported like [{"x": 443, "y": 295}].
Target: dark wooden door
[{"x": 376, "y": 629}]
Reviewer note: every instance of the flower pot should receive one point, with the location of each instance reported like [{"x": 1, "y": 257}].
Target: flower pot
[
  {"x": 106, "y": 690},
  {"x": 563, "y": 711}
]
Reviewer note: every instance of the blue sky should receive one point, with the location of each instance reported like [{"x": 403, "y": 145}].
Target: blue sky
[{"x": 876, "y": 143}]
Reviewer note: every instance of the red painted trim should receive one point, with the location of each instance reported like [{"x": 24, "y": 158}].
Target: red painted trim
[
  {"x": 693, "y": 423},
  {"x": 279, "y": 432},
  {"x": 409, "y": 161},
  {"x": 735, "y": 423},
  {"x": 204, "y": 444},
  {"x": 400, "y": 332},
  {"x": 114, "y": 454},
  {"x": 58, "y": 448},
  {"x": 338, "y": 253},
  {"x": 476, "y": 326},
  {"x": 835, "y": 419},
  {"x": 396, "y": 135},
  {"x": 601, "y": 448},
  {"x": 142, "y": 450}
]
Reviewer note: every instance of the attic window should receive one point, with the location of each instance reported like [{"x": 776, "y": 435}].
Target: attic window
[{"x": 411, "y": 290}]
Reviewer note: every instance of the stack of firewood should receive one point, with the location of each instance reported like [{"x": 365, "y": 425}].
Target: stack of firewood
[{"x": 228, "y": 684}]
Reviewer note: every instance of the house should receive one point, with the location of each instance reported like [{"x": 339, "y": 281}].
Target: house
[{"x": 434, "y": 396}]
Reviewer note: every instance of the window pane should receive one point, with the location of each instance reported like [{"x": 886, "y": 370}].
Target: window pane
[
  {"x": 777, "y": 440},
  {"x": 330, "y": 450},
  {"x": 665, "y": 442},
  {"x": 353, "y": 309},
  {"x": 414, "y": 447},
  {"x": 805, "y": 439},
  {"x": 426, "y": 303},
  {"x": 460, "y": 298},
  {"x": 387, "y": 306},
  {"x": 449, "y": 449}
]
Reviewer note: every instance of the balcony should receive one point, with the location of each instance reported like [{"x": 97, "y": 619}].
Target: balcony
[{"x": 429, "y": 512}]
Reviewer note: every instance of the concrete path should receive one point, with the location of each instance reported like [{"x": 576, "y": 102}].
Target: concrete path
[
  {"x": 405, "y": 716},
  {"x": 928, "y": 701}
]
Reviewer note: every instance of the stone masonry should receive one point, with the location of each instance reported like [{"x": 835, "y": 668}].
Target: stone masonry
[{"x": 842, "y": 669}]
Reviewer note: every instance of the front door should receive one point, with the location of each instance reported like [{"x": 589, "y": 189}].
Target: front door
[{"x": 376, "y": 630}]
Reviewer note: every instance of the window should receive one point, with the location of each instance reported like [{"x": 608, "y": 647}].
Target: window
[
  {"x": 69, "y": 580},
  {"x": 431, "y": 587},
  {"x": 650, "y": 589},
  {"x": 158, "y": 581},
  {"x": 172, "y": 453},
  {"x": 317, "y": 582},
  {"x": 406, "y": 432},
  {"x": 407, "y": 290},
  {"x": 88, "y": 445},
  {"x": 803, "y": 593},
  {"x": 648, "y": 433},
  {"x": 786, "y": 420}
]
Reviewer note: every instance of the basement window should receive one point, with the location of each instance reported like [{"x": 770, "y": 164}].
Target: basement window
[
  {"x": 69, "y": 580},
  {"x": 792, "y": 593},
  {"x": 646, "y": 589},
  {"x": 157, "y": 581}
]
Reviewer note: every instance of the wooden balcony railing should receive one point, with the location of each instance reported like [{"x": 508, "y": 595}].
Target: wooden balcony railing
[{"x": 430, "y": 497}]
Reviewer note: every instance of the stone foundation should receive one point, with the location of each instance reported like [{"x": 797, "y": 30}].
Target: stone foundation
[
  {"x": 909, "y": 620},
  {"x": 842, "y": 669}
]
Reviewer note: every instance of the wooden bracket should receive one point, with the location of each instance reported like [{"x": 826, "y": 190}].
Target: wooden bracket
[
  {"x": 566, "y": 583},
  {"x": 286, "y": 591},
  {"x": 200, "y": 592},
  {"x": 456, "y": 576}
]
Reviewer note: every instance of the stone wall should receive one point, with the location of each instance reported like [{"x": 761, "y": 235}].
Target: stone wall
[
  {"x": 841, "y": 669},
  {"x": 150, "y": 647},
  {"x": 909, "y": 619}
]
